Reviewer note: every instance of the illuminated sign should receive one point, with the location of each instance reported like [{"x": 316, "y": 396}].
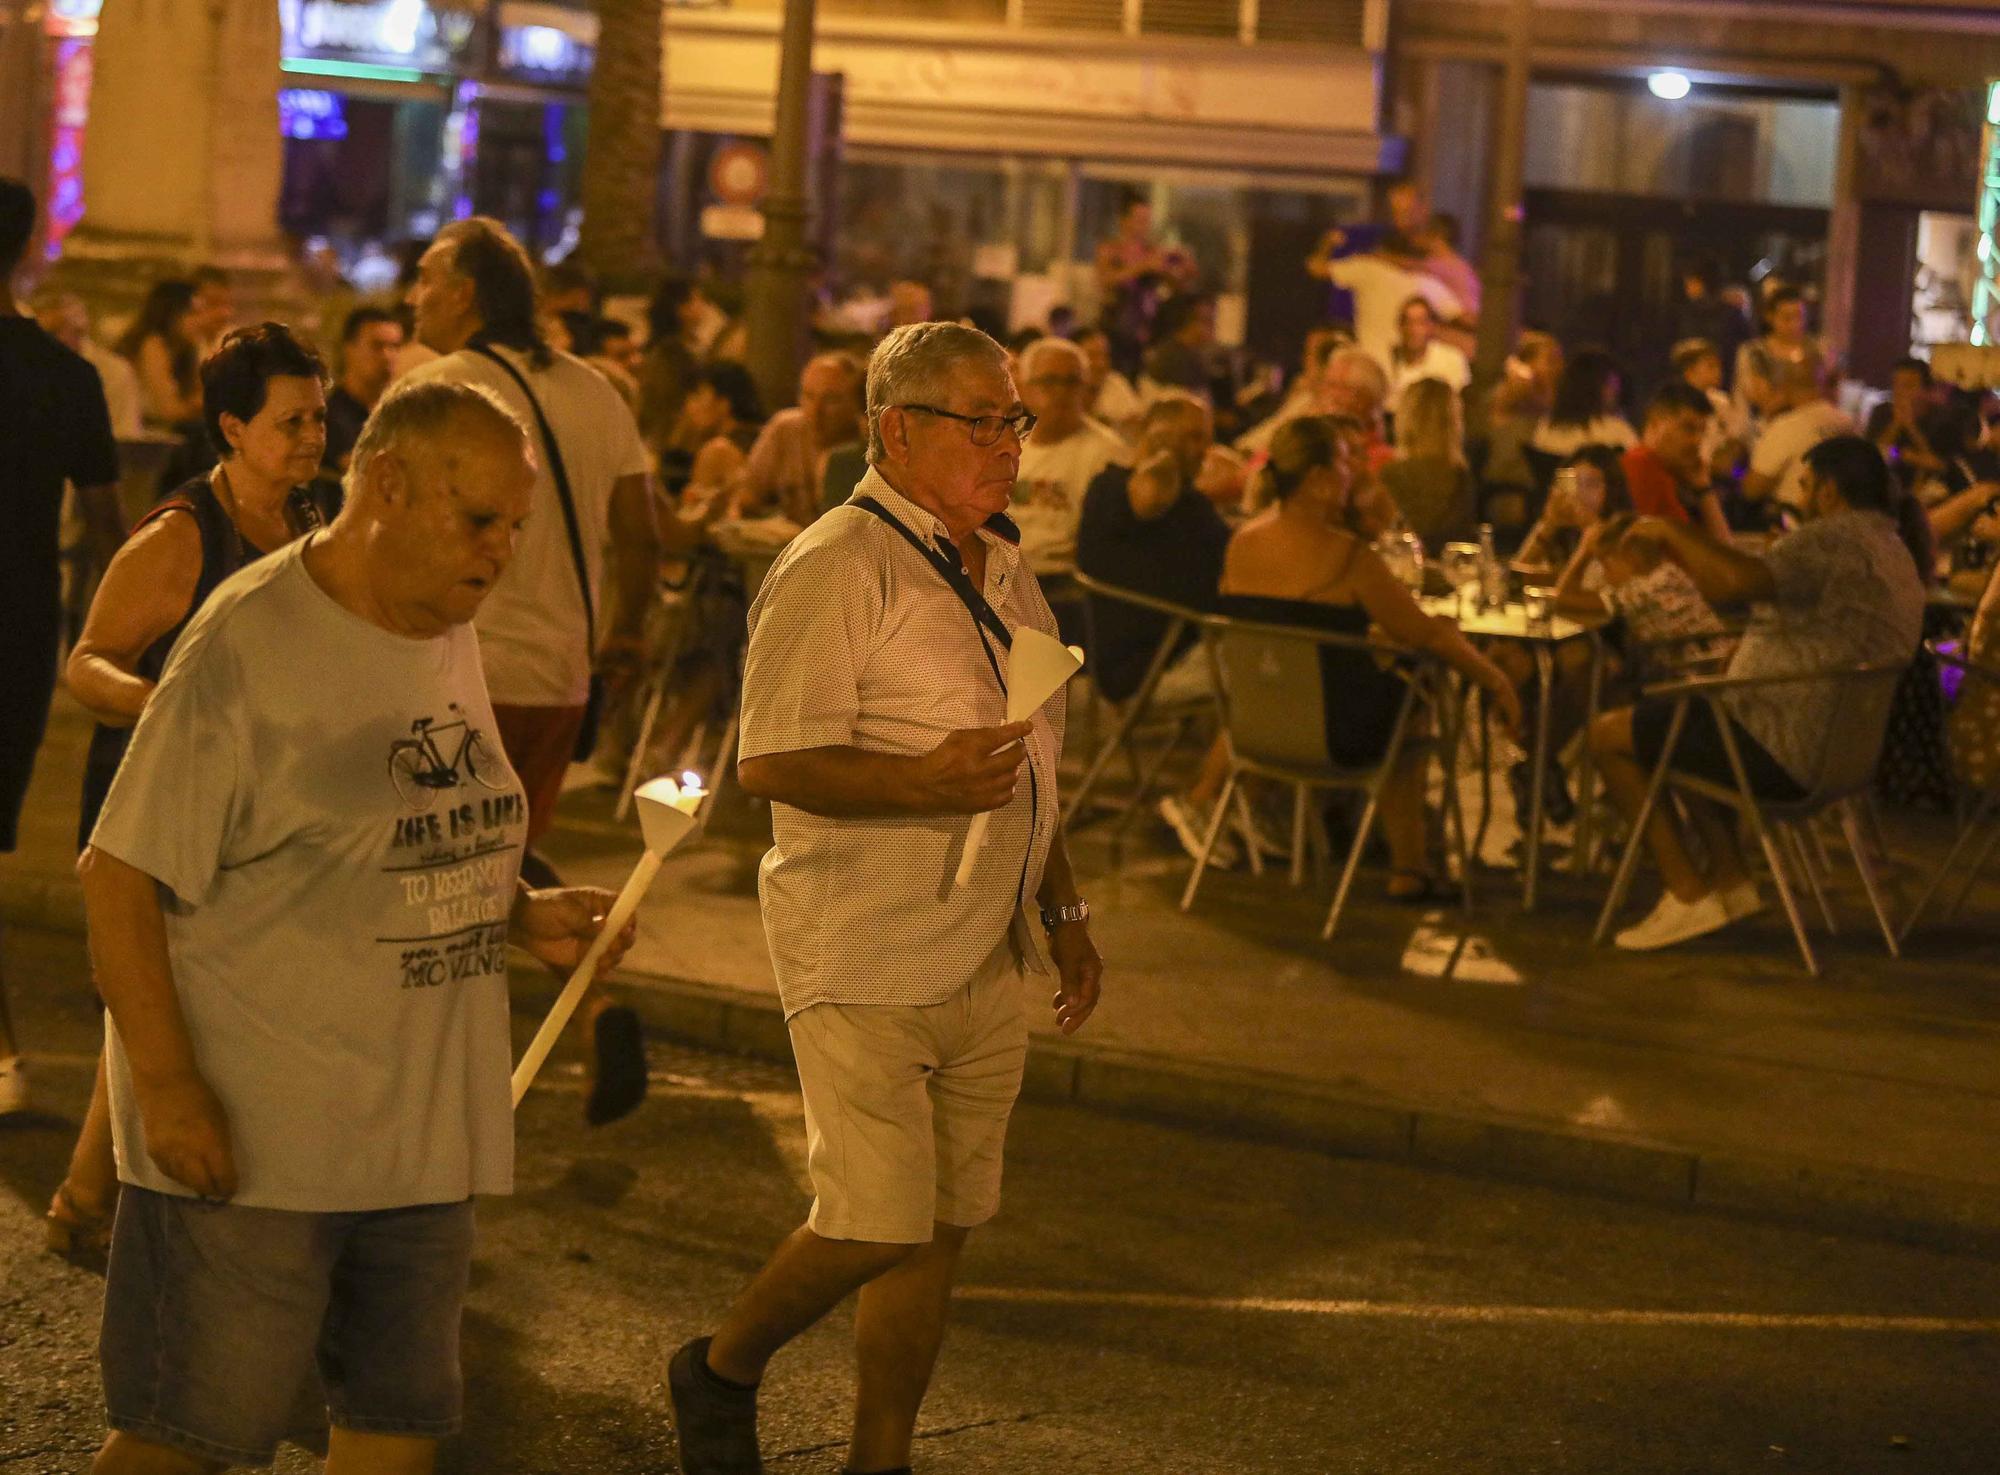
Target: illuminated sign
[
  {"x": 73, "y": 17},
  {"x": 392, "y": 32},
  {"x": 544, "y": 53},
  {"x": 72, "y": 90},
  {"x": 1986, "y": 288},
  {"x": 308, "y": 113}
]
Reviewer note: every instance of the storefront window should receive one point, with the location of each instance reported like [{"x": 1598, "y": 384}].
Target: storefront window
[
  {"x": 359, "y": 169},
  {"x": 1710, "y": 146}
]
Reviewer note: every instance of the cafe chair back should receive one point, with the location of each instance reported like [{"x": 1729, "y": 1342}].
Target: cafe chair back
[{"x": 1271, "y": 682}]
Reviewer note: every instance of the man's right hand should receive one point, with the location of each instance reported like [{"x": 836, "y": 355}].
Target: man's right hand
[
  {"x": 973, "y": 769},
  {"x": 187, "y": 1135}
]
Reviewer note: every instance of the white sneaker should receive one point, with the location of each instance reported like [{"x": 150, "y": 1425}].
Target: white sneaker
[
  {"x": 1674, "y": 920},
  {"x": 13, "y": 1085},
  {"x": 1742, "y": 900},
  {"x": 1190, "y": 831}
]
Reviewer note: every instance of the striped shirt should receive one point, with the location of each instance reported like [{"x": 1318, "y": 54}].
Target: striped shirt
[{"x": 857, "y": 641}]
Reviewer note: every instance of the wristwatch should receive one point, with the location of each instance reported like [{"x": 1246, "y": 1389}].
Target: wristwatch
[{"x": 1054, "y": 917}]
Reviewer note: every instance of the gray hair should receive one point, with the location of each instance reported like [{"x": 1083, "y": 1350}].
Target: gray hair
[
  {"x": 915, "y": 364},
  {"x": 1043, "y": 348},
  {"x": 426, "y": 411}
]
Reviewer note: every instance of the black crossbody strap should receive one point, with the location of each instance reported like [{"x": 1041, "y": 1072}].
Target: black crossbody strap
[
  {"x": 961, "y": 583},
  {"x": 561, "y": 475}
]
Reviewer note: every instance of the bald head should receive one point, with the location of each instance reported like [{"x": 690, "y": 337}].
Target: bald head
[{"x": 437, "y": 427}]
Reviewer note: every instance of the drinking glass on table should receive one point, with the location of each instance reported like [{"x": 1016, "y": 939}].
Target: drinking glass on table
[
  {"x": 1403, "y": 551},
  {"x": 1461, "y": 571}
]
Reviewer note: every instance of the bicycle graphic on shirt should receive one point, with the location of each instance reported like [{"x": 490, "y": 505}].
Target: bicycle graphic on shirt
[{"x": 419, "y": 769}]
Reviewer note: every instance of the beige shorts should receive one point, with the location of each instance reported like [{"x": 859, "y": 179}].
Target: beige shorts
[{"x": 907, "y": 1107}]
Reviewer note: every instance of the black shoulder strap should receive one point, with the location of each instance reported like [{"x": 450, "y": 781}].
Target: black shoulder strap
[
  {"x": 961, "y": 583},
  {"x": 556, "y": 470}
]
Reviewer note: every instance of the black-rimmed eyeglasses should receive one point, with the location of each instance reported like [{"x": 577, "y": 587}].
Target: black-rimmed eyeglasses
[{"x": 985, "y": 430}]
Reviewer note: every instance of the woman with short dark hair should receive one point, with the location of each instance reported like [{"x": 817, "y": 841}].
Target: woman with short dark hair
[{"x": 263, "y": 402}]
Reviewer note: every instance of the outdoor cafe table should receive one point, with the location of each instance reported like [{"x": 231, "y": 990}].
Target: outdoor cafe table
[{"x": 1510, "y": 622}]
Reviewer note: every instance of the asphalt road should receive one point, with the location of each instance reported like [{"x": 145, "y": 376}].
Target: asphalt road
[{"x": 1151, "y": 1300}]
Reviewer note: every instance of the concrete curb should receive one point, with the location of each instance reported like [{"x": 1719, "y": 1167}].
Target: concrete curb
[{"x": 1267, "y": 1107}]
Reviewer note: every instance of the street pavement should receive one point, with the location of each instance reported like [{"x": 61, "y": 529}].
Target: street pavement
[
  {"x": 1870, "y": 1095},
  {"x": 1150, "y": 1300}
]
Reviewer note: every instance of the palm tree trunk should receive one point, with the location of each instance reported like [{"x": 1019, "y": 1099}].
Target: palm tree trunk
[{"x": 621, "y": 163}]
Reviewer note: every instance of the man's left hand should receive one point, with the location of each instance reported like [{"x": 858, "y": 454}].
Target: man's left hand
[
  {"x": 1081, "y": 971},
  {"x": 559, "y": 924}
]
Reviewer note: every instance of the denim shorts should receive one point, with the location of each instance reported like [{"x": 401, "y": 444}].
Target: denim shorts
[{"x": 227, "y": 1329}]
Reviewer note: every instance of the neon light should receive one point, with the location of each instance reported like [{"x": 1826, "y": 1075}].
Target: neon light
[
  {"x": 1985, "y": 289},
  {"x": 359, "y": 70}
]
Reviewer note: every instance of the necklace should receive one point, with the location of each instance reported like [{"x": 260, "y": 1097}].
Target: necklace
[{"x": 218, "y": 482}]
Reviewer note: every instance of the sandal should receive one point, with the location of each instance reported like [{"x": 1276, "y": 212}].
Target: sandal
[{"x": 78, "y": 1237}]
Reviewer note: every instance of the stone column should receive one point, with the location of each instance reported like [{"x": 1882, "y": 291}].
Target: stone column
[
  {"x": 182, "y": 157},
  {"x": 23, "y": 95},
  {"x": 1843, "y": 230},
  {"x": 781, "y": 263}
]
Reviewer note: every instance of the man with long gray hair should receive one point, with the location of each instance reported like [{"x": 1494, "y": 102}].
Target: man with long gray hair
[{"x": 874, "y": 720}]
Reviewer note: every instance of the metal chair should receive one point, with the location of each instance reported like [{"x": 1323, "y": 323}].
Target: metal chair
[
  {"x": 1983, "y": 809},
  {"x": 1272, "y": 691},
  {"x": 1136, "y": 710},
  {"x": 1848, "y": 758}
]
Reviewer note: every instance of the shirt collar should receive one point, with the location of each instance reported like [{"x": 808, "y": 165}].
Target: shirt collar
[{"x": 999, "y": 531}]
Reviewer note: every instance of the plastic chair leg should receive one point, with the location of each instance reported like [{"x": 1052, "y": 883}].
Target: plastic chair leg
[
  {"x": 1298, "y": 834},
  {"x": 1980, "y": 813},
  {"x": 1215, "y": 820},
  {"x": 1864, "y": 862},
  {"x": 1354, "y": 851},
  {"x": 637, "y": 761},
  {"x": 1775, "y": 859},
  {"x": 1812, "y": 874}
]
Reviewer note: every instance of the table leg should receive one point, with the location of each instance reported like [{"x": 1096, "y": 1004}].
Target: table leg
[
  {"x": 1586, "y": 771},
  {"x": 1538, "y": 770}
]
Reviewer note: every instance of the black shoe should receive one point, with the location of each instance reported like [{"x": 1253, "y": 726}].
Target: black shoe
[
  {"x": 621, "y": 1067},
  {"x": 1557, "y": 805},
  {"x": 715, "y": 1423}
]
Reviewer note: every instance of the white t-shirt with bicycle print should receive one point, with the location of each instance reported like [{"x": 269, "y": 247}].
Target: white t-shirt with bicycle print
[{"x": 336, "y": 833}]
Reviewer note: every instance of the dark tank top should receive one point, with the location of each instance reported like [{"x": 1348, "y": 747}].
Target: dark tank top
[{"x": 223, "y": 552}]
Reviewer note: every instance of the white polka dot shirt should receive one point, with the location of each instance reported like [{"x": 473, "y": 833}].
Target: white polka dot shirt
[{"x": 856, "y": 640}]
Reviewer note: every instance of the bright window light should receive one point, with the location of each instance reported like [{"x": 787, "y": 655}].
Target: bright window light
[{"x": 1671, "y": 86}]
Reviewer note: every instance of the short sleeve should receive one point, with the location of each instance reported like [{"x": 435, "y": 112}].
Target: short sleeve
[
  {"x": 172, "y": 807},
  {"x": 627, "y": 447},
  {"x": 1802, "y": 565},
  {"x": 810, "y": 632},
  {"x": 1440, "y": 297},
  {"x": 92, "y": 450}
]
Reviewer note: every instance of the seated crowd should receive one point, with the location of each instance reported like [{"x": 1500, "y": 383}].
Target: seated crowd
[{"x": 1163, "y": 464}]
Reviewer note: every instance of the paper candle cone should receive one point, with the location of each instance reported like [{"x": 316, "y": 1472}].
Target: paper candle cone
[
  {"x": 1038, "y": 666},
  {"x": 667, "y": 813}
]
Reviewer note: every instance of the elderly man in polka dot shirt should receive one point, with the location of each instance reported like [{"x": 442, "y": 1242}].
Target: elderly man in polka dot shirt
[{"x": 874, "y": 720}]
